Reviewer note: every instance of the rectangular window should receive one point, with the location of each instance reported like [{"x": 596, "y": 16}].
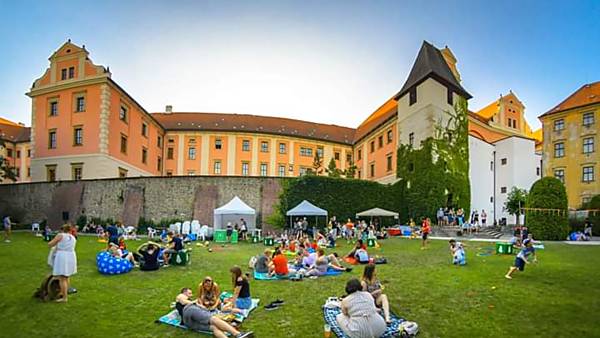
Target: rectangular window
[
  {"x": 191, "y": 153},
  {"x": 245, "y": 168},
  {"x": 291, "y": 169},
  {"x": 159, "y": 163},
  {"x": 18, "y": 154},
  {"x": 503, "y": 161},
  {"x": 559, "y": 125},
  {"x": 263, "y": 169},
  {"x": 76, "y": 172},
  {"x": 412, "y": 96},
  {"x": 218, "y": 143},
  {"x": 588, "y": 145},
  {"x": 71, "y": 72},
  {"x": 389, "y": 163},
  {"x": 390, "y": 136},
  {"x": 308, "y": 152},
  {"x": 264, "y": 147},
  {"x": 18, "y": 172},
  {"x": 217, "y": 168},
  {"x": 372, "y": 145},
  {"x": 169, "y": 173},
  {"x": 348, "y": 158},
  {"x": 359, "y": 155},
  {"x": 588, "y": 119},
  {"x": 537, "y": 171},
  {"x": 28, "y": 152},
  {"x": 28, "y": 171},
  {"x": 63, "y": 74},
  {"x": 303, "y": 171},
  {"x": 80, "y": 104},
  {"x": 52, "y": 139},
  {"x": 449, "y": 97},
  {"x": 282, "y": 149},
  {"x": 560, "y": 174},
  {"x": 515, "y": 124},
  {"x": 359, "y": 174},
  {"x": 53, "y": 108},
  {"x": 588, "y": 174},
  {"x": 411, "y": 139},
  {"x": 51, "y": 173},
  {"x": 380, "y": 141},
  {"x": 503, "y": 190},
  {"x": 169, "y": 153},
  {"x": 159, "y": 141},
  {"x": 123, "y": 111},
  {"x": 144, "y": 129},
  {"x": 372, "y": 169},
  {"x": 171, "y": 140},
  {"x": 9, "y": 152},
  {"x": 144, "y": 155},
  {"x": 509, "y": 122},
  {"x": 281, "y": 170},
  {"x": 246, "y": 145},
  {"x": 122, "y": 172},
  {"x": 336, "y": 155},
  {"x": 123, "y": 144},
  {"x": 320, "y": 152},
  {"x": 559, "y": 149},
  {"x": 78, "y": 136}
]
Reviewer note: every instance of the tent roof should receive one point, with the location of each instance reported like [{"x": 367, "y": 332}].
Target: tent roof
[
  {"x": 235, "y": 207},
  {"x": 377, "y": 212},
  {"x": 305, "y": 208}
]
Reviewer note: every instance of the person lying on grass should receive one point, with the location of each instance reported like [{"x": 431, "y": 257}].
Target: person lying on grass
[
  {"x": 522, "y": 258},
  {"x": 115, "y": 251},
  {"x": 279, "y": 265},
  {"x": 323, "y": 263},
  {"x": 196, "y": 317},
  {"x": 241, "y": 299},
  {"x": 372, "y": 285},
  {"x": 208, "y": 294}
]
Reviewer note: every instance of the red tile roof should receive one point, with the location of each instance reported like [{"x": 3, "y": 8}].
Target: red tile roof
[
  {"x": 255, "y": 124},
  {"x": 586, "y": 95},
  {"x": 380, "y": 116},
  {"x": 14, "y": 133}
]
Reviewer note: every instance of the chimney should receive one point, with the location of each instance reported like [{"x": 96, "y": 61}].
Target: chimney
[{"x": 169, "y": 109}]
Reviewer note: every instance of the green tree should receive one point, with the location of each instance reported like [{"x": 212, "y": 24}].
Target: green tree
[
  {"x": 547, "y": 209},
  {"x": 332, "y": 169},
  {"x": 317, "y": 168},
  {"x": 516, "y": 200},
  {"x": 6, "y": 171},
  {"x": 350, "y": 171}
]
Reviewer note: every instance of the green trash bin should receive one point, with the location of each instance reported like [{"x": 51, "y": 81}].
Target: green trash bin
[
  {"x": 182, "y": 257},
  {"x": 504, "y": 248},
  {"x": 269, "y": 241},
  {"x": 370, "y": 242},
  {"x": 234, "y": 237},
  {"x": 220, "y": 236},
  {"x": 254, "y": 239}
]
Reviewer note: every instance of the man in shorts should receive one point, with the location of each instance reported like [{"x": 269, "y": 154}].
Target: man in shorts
[
  {"x": 7, "y": 228},
  {"x": 175, "y": 245},
  {"x": 522, "y": 258}
]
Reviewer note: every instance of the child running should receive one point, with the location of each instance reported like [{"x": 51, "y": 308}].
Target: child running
[{"x": 522, "y": 258}]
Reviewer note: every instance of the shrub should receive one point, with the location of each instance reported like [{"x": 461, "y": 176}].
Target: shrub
[{"x": 548, "y": 193}]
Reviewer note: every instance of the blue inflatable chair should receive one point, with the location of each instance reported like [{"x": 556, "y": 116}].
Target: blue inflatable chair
[{"x": 109, "y": 265}]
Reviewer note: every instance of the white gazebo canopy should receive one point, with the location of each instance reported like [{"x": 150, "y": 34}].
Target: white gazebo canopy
[
  {"x": 233, "y": 212},
  {"x": 305, "y": 208},
  {"x": 375, "y": 212}
]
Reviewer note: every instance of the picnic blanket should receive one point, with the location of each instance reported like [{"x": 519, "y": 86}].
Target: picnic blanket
[
  {"x": 172, "y": 318},
  {"x": 265, "y": 275},
  {"x": 330, "y": 312}
]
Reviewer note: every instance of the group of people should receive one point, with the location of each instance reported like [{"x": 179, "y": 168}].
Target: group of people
[
  {"x": 585, "y": 235},
  {"x": 241, "y": 229},
  {"x": 202, "y": 313}
]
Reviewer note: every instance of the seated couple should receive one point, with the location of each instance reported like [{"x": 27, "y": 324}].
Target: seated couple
[
  {"x": 360, "y": 308},
  {"x": 316, "y": 263},
  {"x": 359, "y": 252}
]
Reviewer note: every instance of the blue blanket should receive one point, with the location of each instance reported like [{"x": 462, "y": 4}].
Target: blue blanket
[
  {"x": 265, "y": 276},
  {"x": 329, "y": 313}
]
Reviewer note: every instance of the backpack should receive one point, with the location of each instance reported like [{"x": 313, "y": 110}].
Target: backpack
[
  {"x": 49, "y": 290},
  {"x": 252, "y": 262},
  {"x": 408, "y": 329}
]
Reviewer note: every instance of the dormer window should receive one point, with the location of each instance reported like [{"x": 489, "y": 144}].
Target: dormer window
[{"x": 412, "y": 96}]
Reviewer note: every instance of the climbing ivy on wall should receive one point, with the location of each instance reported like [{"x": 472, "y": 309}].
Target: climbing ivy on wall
[{"x": 437, "y": 174}]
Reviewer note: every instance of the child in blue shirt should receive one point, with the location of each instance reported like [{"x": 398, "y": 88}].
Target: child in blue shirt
[
  {"x": 458, "y": 252},
  {"x": 522, "y": 258}
]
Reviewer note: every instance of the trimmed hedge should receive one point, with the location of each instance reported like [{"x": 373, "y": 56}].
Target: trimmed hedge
[{"x": 548, "y": 193}]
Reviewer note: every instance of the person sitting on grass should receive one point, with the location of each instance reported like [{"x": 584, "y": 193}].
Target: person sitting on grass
[
  {"x": 241, "y": 299},
  {"x": 262, "y": 263},
  {"x": 372, "y": 285},
  {"x": 149, "y": 253},
  {"x": 522, "y": 258},
  {"x": 359, "y": 245},
  {"x": 175, "y": 245},
  {"x": 114, "y": 251},
  {"x": 196, "y": 317},
  {"x": 279, "y": 265},
  {"x": 323, "y": 263},
  {"x": 359, "y": 317},
  {"x": 458, "y": 252},
  {"x": 208, "y": 294}
]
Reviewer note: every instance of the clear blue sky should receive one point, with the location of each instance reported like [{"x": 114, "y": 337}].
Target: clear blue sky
[{"x": 324, "y": 61}]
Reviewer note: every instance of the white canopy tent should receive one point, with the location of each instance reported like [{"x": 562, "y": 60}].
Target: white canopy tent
[
  {"x": 232, "y": 212},
  {"x": 305, "y": 208},
  {"x": 377, "y": 212}
]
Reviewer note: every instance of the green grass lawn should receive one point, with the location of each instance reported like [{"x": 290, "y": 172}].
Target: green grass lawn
[{"x": 560, "y": 296}]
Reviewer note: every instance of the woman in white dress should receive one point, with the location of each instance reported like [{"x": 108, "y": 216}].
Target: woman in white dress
[
  {"x": 359, "y": 317},
  {"x": 65, "y": 261}
]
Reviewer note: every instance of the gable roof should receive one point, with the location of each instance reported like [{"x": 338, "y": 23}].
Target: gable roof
[
  {"x": 586, "y": 95},
  {"x": 253, "y": 124},
  {"x": 431, "y": 63}
]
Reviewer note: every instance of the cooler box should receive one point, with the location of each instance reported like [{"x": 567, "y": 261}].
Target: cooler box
[
  {"x": 504, "y": 248},
  {"x": 370, "y": 242},
  {"x": 220, "y": 236},
  {"x": 181, "y": 258},
  {"x": 234, "y": 237},
  {"x": 394, "y": 232},
  {"x": 269, "y": 241},
  {"x": 254, "y": 239}
]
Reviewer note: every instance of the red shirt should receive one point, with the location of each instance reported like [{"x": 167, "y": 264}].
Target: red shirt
[
  {"x": 281, "y": 264},
  {"x": 426, "y": 229}
]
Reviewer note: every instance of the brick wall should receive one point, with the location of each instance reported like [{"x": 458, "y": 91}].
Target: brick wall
[{"x": 184, "y": 197}]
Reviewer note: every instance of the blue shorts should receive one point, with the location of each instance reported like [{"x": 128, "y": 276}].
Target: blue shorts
[
  {"x": 520, "y": 264},
  {"x": 243, "y": 303}
]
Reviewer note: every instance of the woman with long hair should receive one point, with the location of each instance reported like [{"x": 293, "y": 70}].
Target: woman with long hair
[
  {"x": 241, "y": 299},
  {"x": 208, "y": 293},
  {"x": 372, "y": 285},
  {"x": 65, "y": 261}
]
